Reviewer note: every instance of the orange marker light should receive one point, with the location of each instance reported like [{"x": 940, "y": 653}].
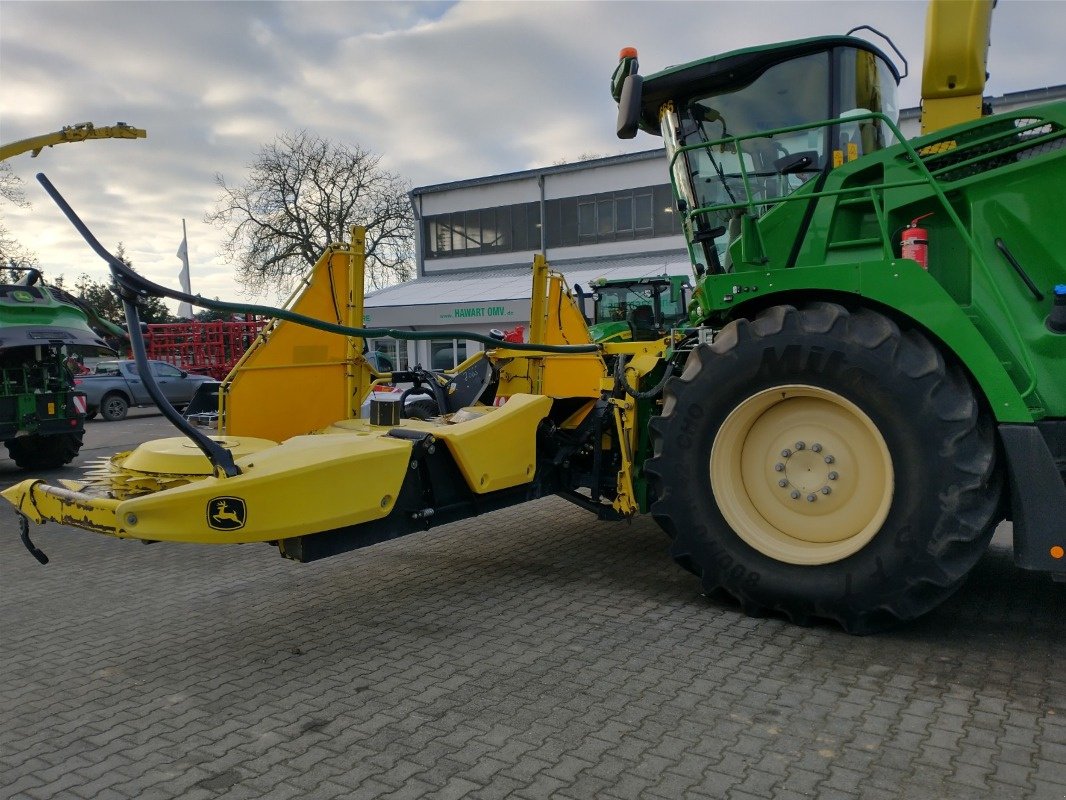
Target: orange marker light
[
  {"x": 627, "y": 52},
  {"x": 1057, "y": 552}
]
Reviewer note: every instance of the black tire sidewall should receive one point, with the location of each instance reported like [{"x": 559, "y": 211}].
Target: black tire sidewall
[
  {"x": 44, "y": 452},
  {"x": 901, "y": 407},
  {"x": 105, "y": 411},
  {"x": 421, "y": 409}
]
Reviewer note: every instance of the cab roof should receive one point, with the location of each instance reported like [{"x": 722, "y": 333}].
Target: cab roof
[{"x": 735, "y": 69}]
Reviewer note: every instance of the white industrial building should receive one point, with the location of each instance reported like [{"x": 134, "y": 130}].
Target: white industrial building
[{"x": 608, "y": 217}]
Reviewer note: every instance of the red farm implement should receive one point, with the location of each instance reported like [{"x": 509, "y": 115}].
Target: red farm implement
[{"x": 207, "y": 348}]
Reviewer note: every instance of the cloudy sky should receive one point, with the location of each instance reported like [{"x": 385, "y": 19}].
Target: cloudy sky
[{"x": 441, "y": 90}]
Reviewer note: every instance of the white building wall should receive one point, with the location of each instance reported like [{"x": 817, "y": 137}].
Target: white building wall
[
  {"x": 632, "y": 175},
  {"x": 523, "y": 190},
  {"x": 558, "y": 184},
  {"x": 625, "y": 248}
]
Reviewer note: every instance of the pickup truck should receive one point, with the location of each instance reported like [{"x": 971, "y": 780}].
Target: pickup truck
[{"x": 114, "y": 386}]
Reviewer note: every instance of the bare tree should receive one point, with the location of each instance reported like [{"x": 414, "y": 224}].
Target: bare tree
[
  {"x": 12, "y": 252},
  {"x": 302, "y": 194}
]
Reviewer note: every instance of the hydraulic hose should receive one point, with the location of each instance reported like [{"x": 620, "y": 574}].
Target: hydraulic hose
[
  {"x": 620, "y": 381},
  {"x": 133, "y": 287}
]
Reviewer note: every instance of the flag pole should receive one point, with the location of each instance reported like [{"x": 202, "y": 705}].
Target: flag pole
[{"x": 184, "y": 309}]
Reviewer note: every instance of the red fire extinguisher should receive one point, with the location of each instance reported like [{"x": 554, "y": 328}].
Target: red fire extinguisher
[{"x": 915, "y": 243}]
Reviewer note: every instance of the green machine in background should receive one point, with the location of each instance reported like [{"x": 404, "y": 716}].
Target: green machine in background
[
  {"x": 43, "y": 331},
  {"x": 41, "y": 415},
  {"x": 640, "y": 309}
]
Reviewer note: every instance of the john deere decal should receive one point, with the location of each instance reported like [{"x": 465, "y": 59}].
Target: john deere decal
[{"x": 226, "y": 513}]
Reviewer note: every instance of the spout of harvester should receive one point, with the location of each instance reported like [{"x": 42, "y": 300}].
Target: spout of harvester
[{"x": 41, "y": 502}]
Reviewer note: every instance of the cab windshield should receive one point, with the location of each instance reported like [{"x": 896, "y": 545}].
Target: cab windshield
[
  {"x": 748, "y": 158},
  {"x": 653, "y": 304}
]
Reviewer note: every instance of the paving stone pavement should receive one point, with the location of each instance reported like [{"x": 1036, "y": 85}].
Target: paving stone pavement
[{"x": 531, "y": 653}]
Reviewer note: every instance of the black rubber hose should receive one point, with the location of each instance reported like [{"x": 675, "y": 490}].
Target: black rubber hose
[
  {"x": 620, "y": 380},
  {"x": 134, "y": 286}
]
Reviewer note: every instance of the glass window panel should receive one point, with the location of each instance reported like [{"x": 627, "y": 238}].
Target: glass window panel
[
  {"x": 623, "y": 210},
  {"x": 442, "y": 355},
  {"x": 555, "y": 228},
  {"x": 568, "y": 208},
  {"x": 519, "y": 228},
  {"x": 165, "y": 370},
  {"x": 586, "y": 219},
  {"x": 503, "y": 229},
  {"x": 642, "y": 211},
  {"x": 458, "y": 237},
  {"x": 605, "y": 217},
  {"x": 473, "y": 229},
  {"x": 488, "y": 230},
  {"x": 429, "y": 238},
  {"x": 533, "y": 225},
  {"x": 665, "y": 214}
]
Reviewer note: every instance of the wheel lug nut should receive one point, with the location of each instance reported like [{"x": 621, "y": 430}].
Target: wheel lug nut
[
  {"x": 779, "y": 467},
  {"x": 800, "y": 445},
  {"x": 816, "y": 447},
  {"x": 782, "y": 483},
  {"x": 795, "y": 495},
  {"x": 786, "y": 453},
  {"x": 811, "y": 498},
  {"x": 826, "y": 490},
  {"x": 832, "y": 476},
  {"x": 829, "y": 459}
]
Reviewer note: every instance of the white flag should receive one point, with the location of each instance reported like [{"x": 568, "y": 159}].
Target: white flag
[{"x": 184, "y": 309}]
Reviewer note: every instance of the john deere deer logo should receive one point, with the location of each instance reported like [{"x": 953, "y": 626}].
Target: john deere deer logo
[{"x": 226, "y": 513}]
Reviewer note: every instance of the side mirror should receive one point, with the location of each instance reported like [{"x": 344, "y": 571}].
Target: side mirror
[
  {"x": 581, "y": 301},
  {"x": 805, "y": 161},
  {"x": 629, "y": 106},
  {"x": 184, "y": 374}
]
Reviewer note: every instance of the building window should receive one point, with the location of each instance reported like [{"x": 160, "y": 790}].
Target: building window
[
  {"x": 448, "y": 354},
  {"x": 387, "y": 354},
  {"x": 612, "y": 217},
  {"x": 507, "y": 229},
  {"x": 605, "y": 217}
]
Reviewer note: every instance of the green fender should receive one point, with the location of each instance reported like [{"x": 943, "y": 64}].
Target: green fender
[{"x": 899, "y": 285}]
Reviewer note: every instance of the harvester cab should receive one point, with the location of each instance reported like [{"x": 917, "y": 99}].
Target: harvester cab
[{"x": 744, "y": 129}]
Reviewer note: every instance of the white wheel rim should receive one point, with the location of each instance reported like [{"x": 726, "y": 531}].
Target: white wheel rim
[{"x": 802, "y": 474}]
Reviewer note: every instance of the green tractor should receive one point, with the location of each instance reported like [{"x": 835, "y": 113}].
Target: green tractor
[
  {"x": 636, "y": 309},
  {"x": 43, "y": 333},
  {"x": 878, "y": 373}
]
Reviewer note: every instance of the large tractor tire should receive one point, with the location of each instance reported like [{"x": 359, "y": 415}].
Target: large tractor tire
[
  {"x": 44, "y": 452},
  {"x": 825, "y": 465}
]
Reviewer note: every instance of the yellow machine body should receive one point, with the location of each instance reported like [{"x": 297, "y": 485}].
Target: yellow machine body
[
  {"x": 349, "y": 473},
  {"x": 308, "y": 465},
  {"x": 954, "y": 70},
  {"x": 294, "y": 379},
  {"x": 70, "y": 133}
]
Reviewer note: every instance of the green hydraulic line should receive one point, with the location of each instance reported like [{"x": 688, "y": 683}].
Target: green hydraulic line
[{"x": 132, "y": 287}]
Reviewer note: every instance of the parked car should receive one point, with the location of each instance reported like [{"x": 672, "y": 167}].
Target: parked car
[{"x": 115, "y": 385}]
